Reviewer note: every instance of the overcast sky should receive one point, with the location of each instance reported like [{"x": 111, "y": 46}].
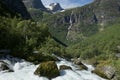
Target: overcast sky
[{"x": 67, "y": 3}]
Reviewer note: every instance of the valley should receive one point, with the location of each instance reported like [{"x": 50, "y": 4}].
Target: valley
[{"x": 53, "y": 43}]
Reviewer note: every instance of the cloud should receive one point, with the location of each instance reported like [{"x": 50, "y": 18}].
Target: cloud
[{"x": 67, "y": 3}]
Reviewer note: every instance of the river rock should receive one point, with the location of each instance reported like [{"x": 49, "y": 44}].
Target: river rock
[
  {"x": 79, "y": 63},
  {"x": 4, "y": 66},
  {"x": 107, "y": 72},
  {"x": 47, "y": 69},
  {"x": 64, "y": 67}
]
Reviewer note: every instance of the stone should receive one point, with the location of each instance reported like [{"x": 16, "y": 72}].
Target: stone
[
  {"x": 64, "y": 67},
  {"x": 4, "y": 66},
  {"x": 80, "y": 64},
  {"x": 47, "y": 69},
  {"x": 100, "y": 73},
  {"x": 107, "y": 72}
]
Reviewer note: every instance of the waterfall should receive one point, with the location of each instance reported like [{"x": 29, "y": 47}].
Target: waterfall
[
  {"x": 71, "y": 24},
  {"x": 71, "y": 21}
]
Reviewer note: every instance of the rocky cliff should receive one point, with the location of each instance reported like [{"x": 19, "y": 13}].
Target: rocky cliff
[
  {"x": 79, "y": 23},
  {"x": 17, "y": 7},
  {"x": 35, "y": 8},
  {"x": 36, "y": 4}
]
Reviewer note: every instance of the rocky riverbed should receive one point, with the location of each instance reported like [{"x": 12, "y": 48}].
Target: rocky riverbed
[{"x": 23, "y": 70}]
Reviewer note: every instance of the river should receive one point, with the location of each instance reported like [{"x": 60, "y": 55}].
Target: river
[{"x": 24, "y": 70}]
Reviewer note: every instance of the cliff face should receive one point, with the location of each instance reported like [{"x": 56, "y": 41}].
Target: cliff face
[
  {"x": 35, "y": 8},
  {"x": 17, "y": 7},
  {"x": 36, "y": 4},
  {"x": 85, "y": 21}
]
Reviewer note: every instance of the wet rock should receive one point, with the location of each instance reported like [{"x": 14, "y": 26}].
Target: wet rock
[
  {"x": 80, "y": 64},
  {"x": 47, "y": 69},
  {"x": 64, "y": 67},
  {"x": 4, "y": 66},
  {"x": 107, "y": 72}
]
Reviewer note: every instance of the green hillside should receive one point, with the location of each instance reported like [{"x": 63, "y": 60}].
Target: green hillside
[
  {"x": 100, "y": 49},
  {"x": 104, "y": 42},
  {"x": 86, "y": 20}
]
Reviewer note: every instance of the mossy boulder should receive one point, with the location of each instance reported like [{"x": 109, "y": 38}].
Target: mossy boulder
[
  {"x": 47, "y": 69},
  {"x": 100, "y": 73},
  {"x": 107, "y": 72},
  {"x": 64, "y": 67}
]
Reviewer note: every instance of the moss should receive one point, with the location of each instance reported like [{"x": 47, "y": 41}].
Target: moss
[
  {"x": 47, "y": 69},
  {"x": 104, "y": 63},
  {"x": 100, "y": 73}
]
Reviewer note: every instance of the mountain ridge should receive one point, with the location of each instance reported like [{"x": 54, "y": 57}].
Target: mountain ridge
[
  {"x": 97, "y": 14},
  {"x": 36, "y": 4}
]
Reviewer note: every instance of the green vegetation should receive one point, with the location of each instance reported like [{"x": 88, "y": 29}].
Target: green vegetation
[
  {"x": 100, "y": 49},
  {"x": 23, "y": 37},
  {"x": 37, "y": 14},
  {"x": 87, "y": 20},
  {"x": 103, "y": 44}
]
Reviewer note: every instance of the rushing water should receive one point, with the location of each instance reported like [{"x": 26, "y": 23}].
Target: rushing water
[{"x": 25, "y": 71}]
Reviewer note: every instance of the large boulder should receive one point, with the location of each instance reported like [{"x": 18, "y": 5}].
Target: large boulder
[
  {"x": 47, "y": 69},
  {"x": 64, "y": 67},
  {"x": 107, "y": 72},
  {"x": 4, "y": 66}
]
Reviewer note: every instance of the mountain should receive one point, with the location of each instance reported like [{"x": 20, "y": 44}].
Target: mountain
[
  {"x": 15, "y": 7},
  {"x": 79, "y": 23},
  {"x": 36, "y": 4},
  {"x": 55, "y": 7},
  {"x": 36, "y": 9}
]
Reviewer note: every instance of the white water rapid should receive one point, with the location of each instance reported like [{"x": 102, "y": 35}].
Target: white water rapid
[{"x": 25, "y": 71}]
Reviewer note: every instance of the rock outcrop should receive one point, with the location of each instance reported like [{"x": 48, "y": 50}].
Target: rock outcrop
[
  {"x": 36, "y": 4},
  {"x": 47, "y": 69},
  {"x": 35, "y": 8}
]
